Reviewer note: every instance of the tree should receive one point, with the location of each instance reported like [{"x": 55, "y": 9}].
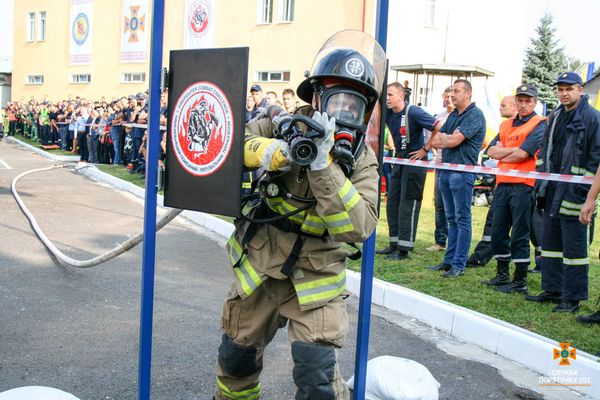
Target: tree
[
  {"x": 573, "y": 63},
  {"x": 544, "y": 61}
]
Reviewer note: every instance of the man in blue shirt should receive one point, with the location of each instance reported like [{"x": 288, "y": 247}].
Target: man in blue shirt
[
  {"x": 405, "y": 193},
  {"x": 461, "y": 137},
  {"x": 260, "y": 101}
]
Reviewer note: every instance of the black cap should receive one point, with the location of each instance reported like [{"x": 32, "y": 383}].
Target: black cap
[
  {"x": 527, "y": 90},
  {"x": 131, "y": 97},
  {"x": 140, "y": 96},
  {"x": 256, "y": 88},
  {"x": 569, "y": 78}
]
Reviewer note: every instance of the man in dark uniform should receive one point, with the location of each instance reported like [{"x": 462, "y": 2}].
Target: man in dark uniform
[
  {"x": 515, "y": 148},
  {"x": 406, "y": 124},
  {"x": 571, "y": 146}
]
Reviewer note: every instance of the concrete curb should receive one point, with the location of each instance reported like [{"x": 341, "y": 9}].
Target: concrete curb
[
  {"x": 42, "y": 152},
  {"x": 509, "y": 341},
  {"x": 217, "y": 225}
]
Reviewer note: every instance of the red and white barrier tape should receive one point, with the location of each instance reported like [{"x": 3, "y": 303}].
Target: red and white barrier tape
[
  {"x": 145, "y": 126},
  {"x": 587, "y": 180}
]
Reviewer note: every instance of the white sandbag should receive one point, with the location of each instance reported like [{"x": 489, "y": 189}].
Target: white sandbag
[
  {"x": 480, "y": 200},
  {"x": 36, "y": 393},
  {"x": 395, "y": 378}
]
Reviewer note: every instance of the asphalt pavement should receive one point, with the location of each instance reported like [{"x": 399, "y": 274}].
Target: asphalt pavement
[{"x": 78, "y": 329}]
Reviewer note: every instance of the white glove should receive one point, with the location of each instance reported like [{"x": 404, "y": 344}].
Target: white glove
[{"x": 325, "y": 143}]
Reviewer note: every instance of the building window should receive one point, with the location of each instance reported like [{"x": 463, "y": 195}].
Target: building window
[
  {"x": 81, "y": 78},
  {"x": 287, "y": 10},
  {"x": 423, "y": 99},
  {"x": 133, "y": 77},
  {"x": 430, "y": 13},
  {"x": 41, "y": 26},
  {"x": 34, "y": 80},
  {"x": 30, "y": 27},
  {"x": 265, "y": 11},
  {"x": 273, "y": 76}
]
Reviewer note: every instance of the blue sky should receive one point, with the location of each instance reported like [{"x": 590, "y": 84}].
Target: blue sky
[{"x": 577, "y": 23}]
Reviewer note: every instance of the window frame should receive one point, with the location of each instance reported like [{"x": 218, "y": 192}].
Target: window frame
[
  {"x": 30, "y": 26},
  {"x": 264, "y": 15},
  {"x": 287, "y": 11},
  {"x": 33, "y": 79},
  {"x": 259, "y": 76},
  {"x": 41, "y": 31},
  {"x": 132, "y": 75},
  {"x": 77, "y": 81}
]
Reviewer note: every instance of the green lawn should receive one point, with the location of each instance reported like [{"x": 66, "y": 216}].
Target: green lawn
[
  {"x": 469, "y": 292},
  {"x": 121, "y": 172},
  {"x": 35, "y": 143}
]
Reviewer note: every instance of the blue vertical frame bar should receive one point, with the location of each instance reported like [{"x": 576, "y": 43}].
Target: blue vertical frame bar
[
  {"x": 149, "y": 246},
  {"x": 368, "y": 259}
]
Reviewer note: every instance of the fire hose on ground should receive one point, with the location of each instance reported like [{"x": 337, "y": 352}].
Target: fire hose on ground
[{"x": 59, "y": 255}]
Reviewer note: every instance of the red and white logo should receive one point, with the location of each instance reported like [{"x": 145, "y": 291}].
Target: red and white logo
[
  {"x": 202, "y": 128},
  {"x": 199, "y": 17}
]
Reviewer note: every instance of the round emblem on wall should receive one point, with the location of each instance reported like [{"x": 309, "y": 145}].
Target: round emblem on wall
[
  {"x": 80, "y": 29},
  {"x": 199, "y": 17},
  {"x": 202, "y": 128},
  {"x": 355, "y": 67}
]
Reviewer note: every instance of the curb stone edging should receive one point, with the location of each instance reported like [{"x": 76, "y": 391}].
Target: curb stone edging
[
  {"x": 499, "y": 337},
  {"x": 42, "y": 152}
]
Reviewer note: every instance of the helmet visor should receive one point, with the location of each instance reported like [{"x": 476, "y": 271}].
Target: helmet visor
[
  {"x": 345, "y": 106},
  {"x": 362, "y": 43}
]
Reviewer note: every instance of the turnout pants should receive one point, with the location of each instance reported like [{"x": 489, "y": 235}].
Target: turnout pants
[
  {"x": 249, "y": 326},
  {"x": 512, "y": 209},
  {"x": 404, "y": 205},
  {"x": 565, "y": 261},
  {"x": 483, "y": 250}
]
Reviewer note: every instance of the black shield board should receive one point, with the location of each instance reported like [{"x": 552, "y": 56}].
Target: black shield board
[{"x": 204, "y": 159}]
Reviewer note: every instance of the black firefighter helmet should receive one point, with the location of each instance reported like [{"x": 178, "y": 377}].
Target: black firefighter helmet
[{"x": 351, "y": 58}]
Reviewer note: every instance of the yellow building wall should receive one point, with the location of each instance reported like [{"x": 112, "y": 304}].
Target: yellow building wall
[{"x": 273, "y": 47}]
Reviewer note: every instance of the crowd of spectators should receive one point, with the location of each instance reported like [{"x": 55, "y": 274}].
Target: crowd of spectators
[{"x": 107, "y": 132}]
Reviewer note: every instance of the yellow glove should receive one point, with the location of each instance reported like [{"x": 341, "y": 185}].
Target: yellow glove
[{"x": 270, "y": 154}]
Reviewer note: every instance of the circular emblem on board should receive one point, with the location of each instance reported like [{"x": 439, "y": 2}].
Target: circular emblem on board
[
  {"x": 81, "y": 28},
  {"x": 355, "y": 67},
  {"x": 199, "y": 17},
  {"x": 202, "y": 128}
]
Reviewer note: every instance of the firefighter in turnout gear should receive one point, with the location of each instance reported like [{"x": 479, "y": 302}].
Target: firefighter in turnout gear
[
  {"x": 406, "y": 124},
  {"x": 287, "y": 252},
  {"x": 571, "y": 146}
]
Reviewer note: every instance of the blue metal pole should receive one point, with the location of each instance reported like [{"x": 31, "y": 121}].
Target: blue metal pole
[
  {"x": 149, "y": 246},
  {"x": 366, "y": 281}
]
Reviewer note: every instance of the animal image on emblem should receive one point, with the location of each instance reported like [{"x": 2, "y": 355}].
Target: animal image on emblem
[
  {"x": 201, "y": 126},
  {"x": 200, "y": 17}
]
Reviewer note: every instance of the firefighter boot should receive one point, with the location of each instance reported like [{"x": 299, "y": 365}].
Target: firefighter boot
[
  {"x": 519, "y": 283},
  {"x": 388, "y": 250},
  {"x": 502, "y": 275}
]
